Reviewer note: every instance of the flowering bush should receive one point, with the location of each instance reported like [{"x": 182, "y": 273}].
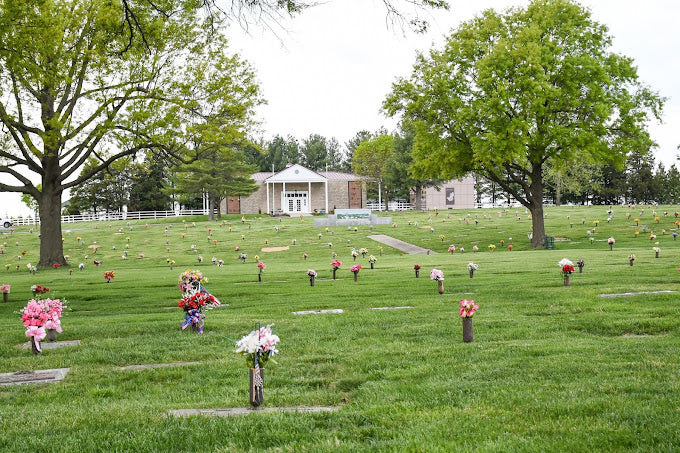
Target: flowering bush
[
  {"x": 356, "y": 268},
  {"x": 258, "y": 347},
  {"x": 467, "y": 308},
  {"x": 190, "y": 281},
  {"x": 336, "y": 264},
  {"x": 437, "y": 275}
]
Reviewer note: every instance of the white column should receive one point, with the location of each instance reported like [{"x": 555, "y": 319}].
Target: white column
[
  {"x": 266, "y": 211},
  {"x": 283, "y": 198},
  {"x": 309, "y": 196},
  {"x": 326, "y": 194},
  {"x": 379, "y": 195}
]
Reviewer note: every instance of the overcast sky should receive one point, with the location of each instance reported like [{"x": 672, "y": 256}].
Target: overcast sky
[{"x": 330, "y": 70}]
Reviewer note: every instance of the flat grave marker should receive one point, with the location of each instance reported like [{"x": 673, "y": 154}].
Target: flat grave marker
[{"x": 34, "y": 376}]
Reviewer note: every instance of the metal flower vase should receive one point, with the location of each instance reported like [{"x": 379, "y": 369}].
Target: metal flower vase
[
  {"x": 468, "y": 332},
  {"x": 256, "y": 386},
  {"x": 440, "y": 286},
  {"x": 566, "y": 280},
  {"x": 51, "y": 334},
  {"x": 34, "y": 346},
  {"x": 5, "y": 297}
]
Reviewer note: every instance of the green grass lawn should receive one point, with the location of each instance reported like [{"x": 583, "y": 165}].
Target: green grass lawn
[{"x": 552, "y": 368}]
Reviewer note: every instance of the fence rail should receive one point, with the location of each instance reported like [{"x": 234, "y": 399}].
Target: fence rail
[
  {"x": 132, "y": 215},
  {"x": 392, "y": 206}
]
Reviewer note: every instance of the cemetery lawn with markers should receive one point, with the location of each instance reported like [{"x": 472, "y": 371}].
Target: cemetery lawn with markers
[{"x": 551, "y": 368}]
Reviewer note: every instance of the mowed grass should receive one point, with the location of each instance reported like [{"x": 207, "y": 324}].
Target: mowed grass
[{"x": 552, "y": 368}]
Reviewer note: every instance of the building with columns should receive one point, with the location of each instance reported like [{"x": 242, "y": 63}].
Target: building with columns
[{"x": 299, "y": 190}]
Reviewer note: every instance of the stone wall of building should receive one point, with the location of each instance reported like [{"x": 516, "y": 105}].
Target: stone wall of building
[{"x": 338, "y": 197}]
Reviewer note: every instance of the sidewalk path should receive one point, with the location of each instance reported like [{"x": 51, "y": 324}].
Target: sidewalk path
[{"x": 401, "y": 245}]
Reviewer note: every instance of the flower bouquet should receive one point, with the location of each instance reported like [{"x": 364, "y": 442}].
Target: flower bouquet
[
  {"x": 656, "y": 251},
  {"x": 356, "y": 268},
  {"x": 363, "y": 252},
  {"x": 580, "y": 264},
  {"x": 631, "y": 258},
  {"x": 472, "y": 267},
  {"x": 611, "y": 241},
  {"x": 417, "y": 269},
  {"x": 4, "y": 289},
  {"x": 355, "y": 254},
  {"x": 37, "y": 290},
  {"x": 260, "y": 267},
  {"x": 39, "y": 315},
  {"x": 438, "y": 276},
  {"x": 191, "y": 281},
  {"x": 311, "y": 273},
  {"x": 258, "y": 347},
  {"x": 372, "y": 260},
  {"x": 567, "y": 269},
  {"x": 195, "y": 299},
  {"x": 335, "y": 264},
  {"x": 466, "y": 312},
  {"x": 108, "y": 276},
  {"x": 193, "y": 305}
]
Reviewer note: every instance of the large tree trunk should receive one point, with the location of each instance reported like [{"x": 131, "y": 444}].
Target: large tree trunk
[
  {"x": 418, "y": 197},
  {"x": 535, "y": 198},
  {"x": 51, "y": 245},
  {"x": 211, "y": 207}
]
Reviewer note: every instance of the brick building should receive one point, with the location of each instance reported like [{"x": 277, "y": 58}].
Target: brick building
[{"x": 297, "y": 190}]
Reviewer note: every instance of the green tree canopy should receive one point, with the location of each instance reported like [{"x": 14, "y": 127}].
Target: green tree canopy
[
  {"x": 74, "y": 85},
  {"x": 513, "y": 91}
]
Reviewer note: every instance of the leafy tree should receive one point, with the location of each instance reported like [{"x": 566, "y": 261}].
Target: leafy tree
[
  {"x": 277, "y": 153},
  {"x": 75, "y": 85},
  {"x": 512, "y": 92},
  {"x": 150, "y": 180},
  {"x": 640, "y": 178},
  {"x": 220, "y": 172},
  {"x": 351, "y": 145},
  {"x": 370, "y": 157},
  {"x": 107, "y": 190},
  {"x": 397, "y": 174}
]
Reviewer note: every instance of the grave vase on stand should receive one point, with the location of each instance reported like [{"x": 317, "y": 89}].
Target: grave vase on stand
[
  {"x": 256, "y": 386},
  {"x": 468, "y": 332},
  {"x": 51, "y": 334}
]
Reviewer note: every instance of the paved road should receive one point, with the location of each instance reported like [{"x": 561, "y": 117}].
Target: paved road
[{"x": 401, "y": 245}]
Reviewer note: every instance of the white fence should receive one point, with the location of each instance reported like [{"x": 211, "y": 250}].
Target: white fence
[
  {"x": 392, "y": 206},
  {"x": 133, "y": 215}
]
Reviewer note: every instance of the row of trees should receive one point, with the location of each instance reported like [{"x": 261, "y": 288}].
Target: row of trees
[{"x": 519, "y": 98}]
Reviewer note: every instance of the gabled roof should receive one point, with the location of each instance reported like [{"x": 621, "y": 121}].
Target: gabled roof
[{"x": 296, "y": 173}]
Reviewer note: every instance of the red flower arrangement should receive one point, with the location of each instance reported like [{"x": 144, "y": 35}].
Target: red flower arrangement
[
  {"x": 198, "y": 301},
  {"x": 567, "y": 269}
]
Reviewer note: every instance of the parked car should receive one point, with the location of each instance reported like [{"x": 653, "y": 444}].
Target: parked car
[{"x": 6, "y": 222}]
